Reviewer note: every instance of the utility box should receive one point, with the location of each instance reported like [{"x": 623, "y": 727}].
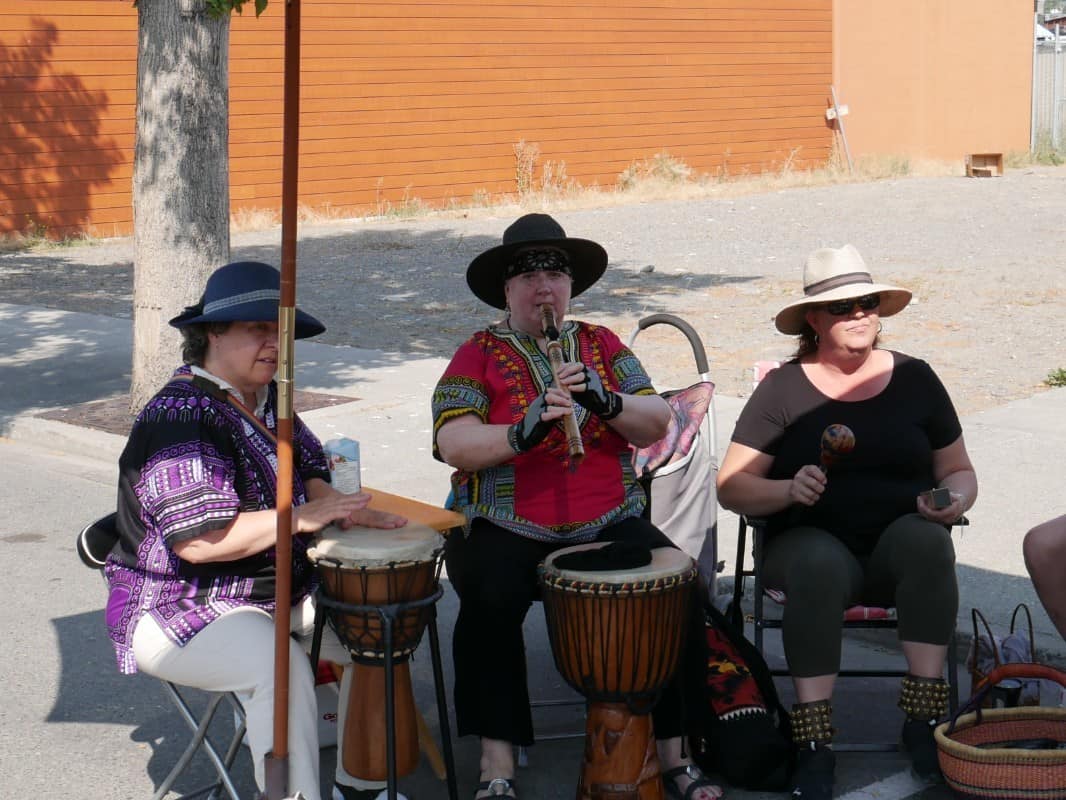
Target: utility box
[{"x": 984, "y": 165}]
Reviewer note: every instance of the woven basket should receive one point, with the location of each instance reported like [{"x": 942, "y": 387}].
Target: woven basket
[{"x": 975, "y": 768}]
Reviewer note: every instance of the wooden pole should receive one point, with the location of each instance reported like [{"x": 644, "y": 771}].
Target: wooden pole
[
  {"x": 277, "y": 761},
  {"x": 840, "y": 126}
]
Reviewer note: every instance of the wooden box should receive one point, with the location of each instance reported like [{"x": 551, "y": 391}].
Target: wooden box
[{"x": 984, "y": 165}]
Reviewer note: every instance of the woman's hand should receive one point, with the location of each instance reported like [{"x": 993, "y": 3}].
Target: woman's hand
[
  {"x": 542, "y": 413},
  {"x": 946, "y": 515},
  {"x": 372, "y": 518},
  {"x": 640, "y": 419},
  {"x": 807, "y": 485},
  {"x": 592, "y": 394},
  {"x": 316, "y": 514}
]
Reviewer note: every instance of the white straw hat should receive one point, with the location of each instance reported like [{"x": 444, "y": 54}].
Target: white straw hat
[{"x": 833, "y": 273}]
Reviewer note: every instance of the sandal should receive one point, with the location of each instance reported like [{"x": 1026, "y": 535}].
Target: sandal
[
  {"x": 699, "y": 781},
  {"x": 497, "y": 787}
]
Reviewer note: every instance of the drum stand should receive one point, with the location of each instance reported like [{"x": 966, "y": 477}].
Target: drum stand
[{"x": 389, "y": 614}]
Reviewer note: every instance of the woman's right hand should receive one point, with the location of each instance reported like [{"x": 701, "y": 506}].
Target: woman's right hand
[
  {"x": 807, "y": 485},
  {"x": 540, "y": 417},
  {"x": 314, "y": 515}
]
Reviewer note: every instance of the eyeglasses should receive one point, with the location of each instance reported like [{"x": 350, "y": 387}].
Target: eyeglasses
[{"x": 840, "y": 308}]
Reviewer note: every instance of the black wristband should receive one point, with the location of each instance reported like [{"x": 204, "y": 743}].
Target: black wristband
[{"x": 614, "y": 407}]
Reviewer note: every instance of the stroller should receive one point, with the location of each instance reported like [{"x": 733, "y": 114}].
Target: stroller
[{"x": 678, "y": 472}]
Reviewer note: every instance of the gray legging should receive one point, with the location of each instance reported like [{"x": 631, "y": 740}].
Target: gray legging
[{"x": 911, "y": 568}]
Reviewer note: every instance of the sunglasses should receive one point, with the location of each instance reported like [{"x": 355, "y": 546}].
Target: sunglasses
[{"x": 840, "y": 308}]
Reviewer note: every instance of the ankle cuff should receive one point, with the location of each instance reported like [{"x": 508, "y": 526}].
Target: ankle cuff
[
  {"x": 923, "y": 698},
  {"x": 812, "y": 722}
]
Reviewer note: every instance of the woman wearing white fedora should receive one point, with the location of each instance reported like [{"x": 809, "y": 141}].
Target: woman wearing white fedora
[{"x": 857, "y": 527}]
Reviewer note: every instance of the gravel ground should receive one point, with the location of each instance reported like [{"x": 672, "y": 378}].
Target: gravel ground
[{"x": 984, "y": 258}]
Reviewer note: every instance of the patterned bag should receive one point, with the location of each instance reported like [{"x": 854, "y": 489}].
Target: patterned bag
[{"x": 743, "y": 731}]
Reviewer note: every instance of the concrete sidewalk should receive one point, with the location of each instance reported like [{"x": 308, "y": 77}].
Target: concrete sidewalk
[{"x": 55, "y": 476}]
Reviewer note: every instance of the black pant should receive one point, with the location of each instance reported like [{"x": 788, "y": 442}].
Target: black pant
[
  {"x": 494, "y": 572},
  {"x": 912, "y": 568}
]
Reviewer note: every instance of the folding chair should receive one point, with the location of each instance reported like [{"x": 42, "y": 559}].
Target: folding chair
[
  {"x": 95, "y": 541},
  {"x": 857, "y": 617}
]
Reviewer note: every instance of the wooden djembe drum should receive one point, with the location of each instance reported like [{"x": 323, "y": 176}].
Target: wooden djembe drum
[
  {"x": 371, "y": 572},
  {"x": 617, "y": 638}
]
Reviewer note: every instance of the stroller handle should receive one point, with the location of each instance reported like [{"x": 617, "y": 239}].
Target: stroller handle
[{"x": 685, "y": 328}]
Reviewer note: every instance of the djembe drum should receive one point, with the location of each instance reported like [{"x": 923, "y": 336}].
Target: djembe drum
[
  {"x": 375, "y": 579},
  {"x": 617, "y": 638}
]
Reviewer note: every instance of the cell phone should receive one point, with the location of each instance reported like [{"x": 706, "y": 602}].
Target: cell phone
[{"x": 938, "y": 498}]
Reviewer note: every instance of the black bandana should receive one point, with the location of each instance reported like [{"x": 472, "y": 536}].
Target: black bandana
[{"x": 538, "y": 258}]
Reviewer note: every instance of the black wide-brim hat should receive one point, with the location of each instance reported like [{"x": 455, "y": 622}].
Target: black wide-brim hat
[
  {"x": 244, "y": 291},
  {"x": 485, "y": 275}
]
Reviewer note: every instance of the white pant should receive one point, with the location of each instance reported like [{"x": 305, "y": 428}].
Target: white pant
[{"x": 235, "y": 653}]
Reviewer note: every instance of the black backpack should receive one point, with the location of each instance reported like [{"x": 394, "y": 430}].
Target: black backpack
[{"x": 742, "y": 731}]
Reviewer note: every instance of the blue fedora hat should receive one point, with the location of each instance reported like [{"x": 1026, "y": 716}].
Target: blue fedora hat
[{"x": 244, "y": 291}]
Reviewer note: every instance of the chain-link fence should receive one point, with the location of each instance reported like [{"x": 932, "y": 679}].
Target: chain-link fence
[{"x": 1049, "y": 93}]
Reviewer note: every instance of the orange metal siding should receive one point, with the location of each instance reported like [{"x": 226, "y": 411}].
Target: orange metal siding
[
  {"x": 934, "y": 80},
  {"x": 421, "y": 99}
]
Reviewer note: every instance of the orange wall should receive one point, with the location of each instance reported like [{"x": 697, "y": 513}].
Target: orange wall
[
  {"x": 934, "y": 79},
  {"x": 420, "y": 98},
  {"x": 67, "y": 87}
]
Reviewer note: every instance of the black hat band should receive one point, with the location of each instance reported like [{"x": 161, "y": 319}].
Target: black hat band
[{"x": 535, "y": 259}]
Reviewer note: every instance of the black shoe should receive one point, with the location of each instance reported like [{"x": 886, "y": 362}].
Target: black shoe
[
  {"x": 342, "y": 792},
  {"x": 920, "y": 745},
  {"x": 815, "y": 768}
]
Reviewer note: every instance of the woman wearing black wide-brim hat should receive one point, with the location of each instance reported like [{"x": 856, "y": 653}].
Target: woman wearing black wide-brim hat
[
  {"x": 497, "y": 412},
  {"x": 192, "y": 581}
]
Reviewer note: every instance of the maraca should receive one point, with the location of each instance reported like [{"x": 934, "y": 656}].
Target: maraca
[{"x": 837, "y": 441}]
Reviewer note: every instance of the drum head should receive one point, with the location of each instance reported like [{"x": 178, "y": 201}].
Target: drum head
[
  {"x": 374, "y": 547},
  {"x": 665, "y": 562}
]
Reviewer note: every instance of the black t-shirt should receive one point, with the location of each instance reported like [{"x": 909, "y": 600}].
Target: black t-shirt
[{"x": 895, "y": 431}]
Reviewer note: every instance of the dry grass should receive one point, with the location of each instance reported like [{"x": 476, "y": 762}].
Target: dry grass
[
  {"x": 661, "y": 176},
  {"x": 37, "y": 236},
  {"x": 253, "y": 219}
]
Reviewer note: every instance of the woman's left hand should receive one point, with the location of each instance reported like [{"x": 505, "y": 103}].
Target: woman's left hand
[
  {"x": 947, "y": 515},
  {"x": 372, "y": 518},
  {"x": 592, "y": 394}
]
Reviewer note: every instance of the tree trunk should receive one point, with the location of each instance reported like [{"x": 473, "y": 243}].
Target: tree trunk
[{"x": 180, "y": 176}]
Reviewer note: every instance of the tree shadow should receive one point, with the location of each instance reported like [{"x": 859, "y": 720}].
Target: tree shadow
[
  {"x": 53, "y": 357},
  {"x": 404, "y": 290},
  {"x": 92, "y": 691},
  {"x": 53, "y": 154},
  {"x": 393, "y": 295}
]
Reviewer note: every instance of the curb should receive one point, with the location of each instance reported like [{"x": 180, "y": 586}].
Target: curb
[{"x": 68, "y": 439}]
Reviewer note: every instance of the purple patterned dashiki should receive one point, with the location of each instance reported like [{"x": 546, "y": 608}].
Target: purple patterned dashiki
[{"x": 191, "y": 464}]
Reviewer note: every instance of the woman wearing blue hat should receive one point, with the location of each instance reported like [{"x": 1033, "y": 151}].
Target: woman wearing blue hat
[{"x": 192, "y": 580}]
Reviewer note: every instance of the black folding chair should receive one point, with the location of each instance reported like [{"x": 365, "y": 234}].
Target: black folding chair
[
  {"x": 762, "y": 622},
  {"x": 95, "y": 541}
]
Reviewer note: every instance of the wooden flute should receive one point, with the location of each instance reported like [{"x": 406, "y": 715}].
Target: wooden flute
[{"x": 555, "y": 356}]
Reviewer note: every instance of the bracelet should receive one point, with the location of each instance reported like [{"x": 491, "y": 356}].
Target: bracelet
[
  {"x": 512, "y": 438},
  {"x": 614, "y": 407}
]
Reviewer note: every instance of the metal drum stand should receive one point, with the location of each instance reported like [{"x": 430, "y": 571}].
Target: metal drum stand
[{"x": 389, "y": 614}]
